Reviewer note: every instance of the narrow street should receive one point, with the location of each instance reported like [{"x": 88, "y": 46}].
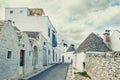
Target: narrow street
[{"x": 57, "y": 72}]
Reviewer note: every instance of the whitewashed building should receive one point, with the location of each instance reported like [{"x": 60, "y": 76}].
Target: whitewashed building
[
  {"x": 92, "y": 44},
  {"x": 115, "y": 40},
  {"x": 61, "y": 47},
  {"x": 9, "y": 51},
  {"x": 78, "y": 60},
  {"x": 43, "y": 55},
  {"x": 67, "y": 57},
  {"x": 34, "y": 19}
]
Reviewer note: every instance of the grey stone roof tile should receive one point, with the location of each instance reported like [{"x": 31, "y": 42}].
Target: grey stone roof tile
[
  {"x": 32, "y": 34},
  {"x": 71, "y": 48},
  {"x": 93, "y": 43}
]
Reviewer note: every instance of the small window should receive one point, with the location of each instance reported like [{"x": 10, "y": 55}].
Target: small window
[
  {"x": 13, "y": 22},
  {"x": 11, "y": 12},
  {"x": 38, "y": 37},
  {"x": 49, "y": 32},
  {"x": 21, "y": 11},
  {"x": 9, "y": 54}
]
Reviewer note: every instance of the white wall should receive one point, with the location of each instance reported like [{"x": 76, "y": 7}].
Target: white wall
[
  {"x": 30, "y": 23},
  {"x": 115, "y": 40},
  {"x": 58, "y": 54},
  {"x": 78, "y": 60},
  {"x": 8, "y": 42},
  {"x": 68, "y": 56}
]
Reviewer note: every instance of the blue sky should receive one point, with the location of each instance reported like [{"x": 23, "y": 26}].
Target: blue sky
[{"x": 76, "y": 19}]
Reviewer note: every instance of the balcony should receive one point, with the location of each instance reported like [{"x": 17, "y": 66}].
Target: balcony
[
  {"x": 35, "y": 12},
  {"x": 54, "y": 40}
]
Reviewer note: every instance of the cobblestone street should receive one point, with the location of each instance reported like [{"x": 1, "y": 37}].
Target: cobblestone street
[{"x": 57, "y": 72}]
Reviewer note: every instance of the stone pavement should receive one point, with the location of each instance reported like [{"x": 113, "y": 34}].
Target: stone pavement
[
  {"x": 56, "y": 72},
  {"x": 72, "y": 76}
]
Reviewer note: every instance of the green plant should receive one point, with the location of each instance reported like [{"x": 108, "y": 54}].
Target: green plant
[{"x": 84, "y": 74}]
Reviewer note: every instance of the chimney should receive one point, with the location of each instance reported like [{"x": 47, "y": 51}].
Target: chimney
[{"x": 106, "y": 38}]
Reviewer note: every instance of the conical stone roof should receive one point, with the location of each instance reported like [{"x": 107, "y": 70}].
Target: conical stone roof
[
  {"x": 71, "y": 48},
  {"x": 93, "y": 43}
]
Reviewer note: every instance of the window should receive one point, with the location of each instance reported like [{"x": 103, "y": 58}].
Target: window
[
  {"x": 9, "y": 54},
  {"x": 21, "y": 11},
  {"x": 11, "y": 12},
  {"x": 53, "y": 55},
  {"x": 49, "y": 32},
  {"x": 54, "y": 40},
  {"x": 44, "y": 43},
  {"x": 68, "y": 58},
  {"x": 49, "y": 52}
]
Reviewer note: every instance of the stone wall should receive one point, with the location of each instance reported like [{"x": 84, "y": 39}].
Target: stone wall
[
  {"x": 103, "y": 66},
  {"x": 24, "y": 40},
  {"x": 8, "y": 43}
]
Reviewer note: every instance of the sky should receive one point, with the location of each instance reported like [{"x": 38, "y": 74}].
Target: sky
[{"x": 74, "y": 20}]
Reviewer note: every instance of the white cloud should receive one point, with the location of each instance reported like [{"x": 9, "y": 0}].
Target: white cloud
[{"x": 74, "y": 19}]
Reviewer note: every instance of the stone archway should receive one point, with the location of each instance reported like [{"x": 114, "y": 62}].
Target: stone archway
[
  {"x": 22, "y": 62},
  {"x": 63, "y": 58},
  {"x": 35, "y": 57}
]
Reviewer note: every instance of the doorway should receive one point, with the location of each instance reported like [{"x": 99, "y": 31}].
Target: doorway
[
  {"x": 62, "y": 58},
  {"x": 22, "y": 62},
  {"x": 53, "y": 56}
]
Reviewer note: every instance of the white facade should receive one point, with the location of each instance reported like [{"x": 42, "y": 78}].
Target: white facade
[
  {"x": 30, "y": 23},
  {"x": 115, "y": 40},
  {"x": 57, "y": 54},
  {"x": 67, "y": 57},
  {"x": 78, "y": 60},
  {"x": 25, "y": 22}
]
